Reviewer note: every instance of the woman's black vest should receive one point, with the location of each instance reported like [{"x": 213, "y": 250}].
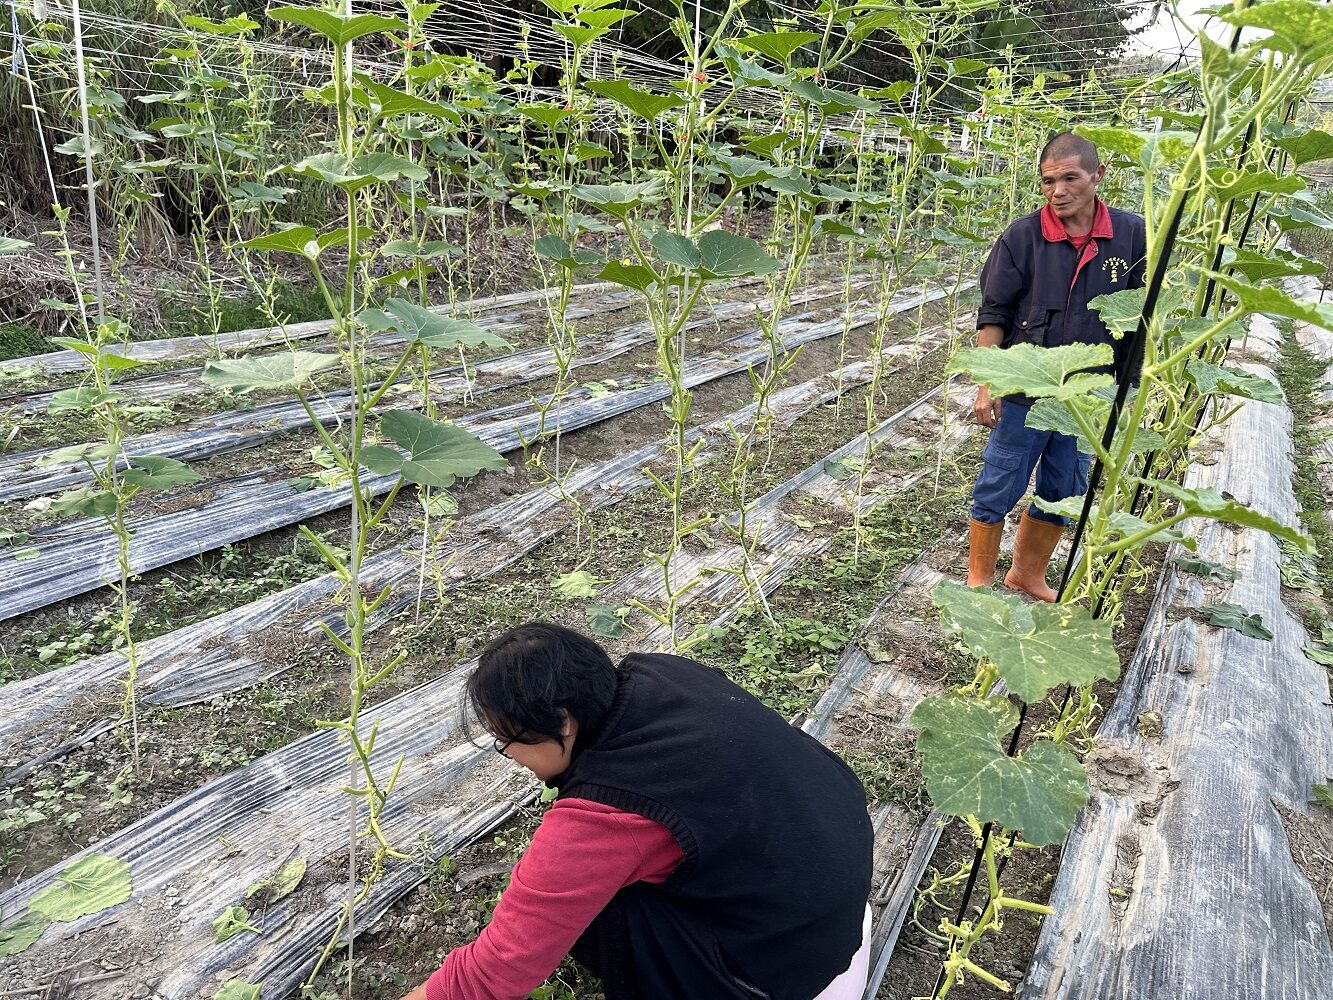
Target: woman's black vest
[{"x": 770, "y": 896}]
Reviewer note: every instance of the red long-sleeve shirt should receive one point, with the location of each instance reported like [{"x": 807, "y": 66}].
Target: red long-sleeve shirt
[{"x": 581, "y": 855}]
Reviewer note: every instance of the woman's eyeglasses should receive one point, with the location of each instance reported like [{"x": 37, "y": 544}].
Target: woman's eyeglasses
[{"x": 500, "y": 748}]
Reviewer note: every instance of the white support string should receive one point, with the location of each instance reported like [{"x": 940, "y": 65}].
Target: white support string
[{"x": 88, "y": 163}]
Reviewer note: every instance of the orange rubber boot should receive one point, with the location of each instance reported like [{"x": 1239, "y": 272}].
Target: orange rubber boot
[
  {"x": 1035, "y": 542},
  {"x": 983, "y": 548}
]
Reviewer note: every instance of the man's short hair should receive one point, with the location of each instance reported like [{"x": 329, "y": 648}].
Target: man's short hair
[{"x": 1068, "y": 144}]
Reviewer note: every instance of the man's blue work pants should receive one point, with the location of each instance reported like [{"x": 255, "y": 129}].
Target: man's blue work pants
[{"x": 1011, "y": 454}]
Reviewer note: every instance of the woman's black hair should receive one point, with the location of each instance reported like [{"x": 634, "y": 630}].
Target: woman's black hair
[{"x": 528, "y": 674}]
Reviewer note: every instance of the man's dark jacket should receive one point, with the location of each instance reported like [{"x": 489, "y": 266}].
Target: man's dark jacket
[
  {"x": 771, "y": 894},
  {"x": 1037, "y": 285}
]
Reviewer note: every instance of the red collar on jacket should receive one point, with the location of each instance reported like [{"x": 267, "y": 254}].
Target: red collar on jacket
[{"x": 1054, "y": 229}]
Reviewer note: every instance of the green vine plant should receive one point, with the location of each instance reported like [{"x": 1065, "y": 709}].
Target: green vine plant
[
  {"x": 1189, "y": 181},
  {"x": 116, "y": 478},
  {"x": 563, "y": 125},
  {"x": 223, "y": 126},
  {"x": 425, "y": 452},
  {"x": 671, "y": 212}
]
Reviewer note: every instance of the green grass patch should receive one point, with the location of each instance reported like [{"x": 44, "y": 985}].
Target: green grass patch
[
  {"x": 786, "y": 662},
  {"x": 1300, "y": 375},
  {"x": 291, "y": 304},
  {"x": 20, "y": 340},
  {"x": 1315, "y": 242},
  {"x": 213, "y": 583}
]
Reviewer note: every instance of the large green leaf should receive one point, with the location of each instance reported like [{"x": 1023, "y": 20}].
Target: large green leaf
[
  {"x": 673, "y": 248},
  {"x": 90, "y": 885},
  {"x": 777, "y": 45},
  {"x": 554, "y": 247},
  {"x": 839, "y": 102},
  {"x": 1304, "y": 25},
  {"x": 421, "y": 326},
  {"x": 745, "y": 171},
  {"x": 289, "y": 370},
  {"x": 643, "y": 103},
  {"x": 796, "y": 184},
  {"x": 578, "y": 34},
  {"x": 1121, "y": 310},
  {"x": 1228, "y": 615},
  {"x": 249, "y": 196},
  {"x": 1274, "y": 302},
  {"x": 549, "y": 115},
  {"x": 337, "y": 28},
  {"x": 82, "y": 397},
  {"x": 387, "y": 102},
  {"x": 607, "y": 620},
  {"x": 1307, "y": 146},
  {"x": 748, "y": 73},
  {"x": 360, "y": 171},
  {"x": 10, "y": 245},
  {"x": 1210, "y": 378},
  {"x": 728, "y": 255},
  {"x": 21, "y": 934},
  {"x": 578, "y": 584},
  {"x": 634, "y": 276},
  {"x": 154, "y": 472},
  {"x": 968, "y": 773},
  {"x": 238, "y": 989},
  {"x": 619, "y": 199},
  {"x": 895, "y": 92},
  {"x": 75, "y": 344},
  {"x": 1205, "y": 567},
  {"x": 1226, "y": 183},
  {"x": 1056, "y": 415},
  {"x": 1211, "y": 504},
  {"x": 911, "y": 29},
  {"x": 1273, "y": 263},
  {"x": 301, "y": 240},
  {"x": 85, "y": 501},
  {"x": 1040, "y": 372},
  {"x": 437, "y": 453},
  {"x": 1035, "y": 647},
  {"x": 1299, "y": 215}
]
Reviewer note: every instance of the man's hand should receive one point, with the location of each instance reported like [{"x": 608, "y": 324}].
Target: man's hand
[
  {"x": 417, "y": 994},
  {"x": 986, "y": 410}
]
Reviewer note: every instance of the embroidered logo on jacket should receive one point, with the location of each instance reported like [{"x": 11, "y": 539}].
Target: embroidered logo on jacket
[{"x": 1115, "y": 265}]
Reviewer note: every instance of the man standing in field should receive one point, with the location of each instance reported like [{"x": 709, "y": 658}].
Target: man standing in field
[{"x": 1036, "y": 286}]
